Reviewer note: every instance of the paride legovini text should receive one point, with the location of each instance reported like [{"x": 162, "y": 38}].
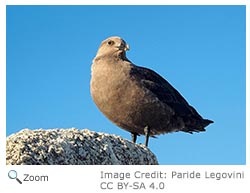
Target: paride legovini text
[{"x": 207, "y": 175}]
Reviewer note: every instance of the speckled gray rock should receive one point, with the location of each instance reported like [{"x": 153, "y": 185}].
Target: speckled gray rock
[{"x": 74, "y": 147}]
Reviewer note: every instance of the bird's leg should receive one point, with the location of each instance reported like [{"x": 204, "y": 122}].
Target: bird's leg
[
  {"x": 147, "y": 134},
  {"x": 134, "y": 136}
]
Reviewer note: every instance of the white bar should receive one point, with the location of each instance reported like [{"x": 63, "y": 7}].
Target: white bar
[
  {"x": 126, "y": 2},
  {"x": 88, "y": 179}
]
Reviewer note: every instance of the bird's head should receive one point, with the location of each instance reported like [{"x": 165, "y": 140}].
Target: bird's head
[{"x": 113, "y": 46}]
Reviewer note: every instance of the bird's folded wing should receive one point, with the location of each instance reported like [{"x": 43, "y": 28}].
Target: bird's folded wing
[{"x": 163, "y": 90}]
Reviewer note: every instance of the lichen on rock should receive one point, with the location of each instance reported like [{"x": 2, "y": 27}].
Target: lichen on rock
[{"x": 74, "y": 147}]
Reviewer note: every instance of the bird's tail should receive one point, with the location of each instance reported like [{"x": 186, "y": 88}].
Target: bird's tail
[
  {"x": 197, "y": 127},
  {"x": 206, "y": 122}
]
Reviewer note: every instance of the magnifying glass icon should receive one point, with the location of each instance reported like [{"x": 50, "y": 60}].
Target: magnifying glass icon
[{"x": 13, "y": 175}]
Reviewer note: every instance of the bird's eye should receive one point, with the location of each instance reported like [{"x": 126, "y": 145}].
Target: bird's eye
[{"x": 110, "y": 42}]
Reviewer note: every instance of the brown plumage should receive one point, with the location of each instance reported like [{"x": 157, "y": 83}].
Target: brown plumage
[{"x": 138, "y": 99}]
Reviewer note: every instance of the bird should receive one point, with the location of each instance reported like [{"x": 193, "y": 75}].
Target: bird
[{"x": 136, "y": 98}]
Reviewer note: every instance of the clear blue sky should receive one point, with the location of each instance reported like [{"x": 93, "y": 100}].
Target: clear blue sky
[{"x": 200, "y": 50}]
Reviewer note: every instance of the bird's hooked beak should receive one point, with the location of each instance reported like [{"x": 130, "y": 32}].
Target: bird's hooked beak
[{"x": 124, "y": 47}]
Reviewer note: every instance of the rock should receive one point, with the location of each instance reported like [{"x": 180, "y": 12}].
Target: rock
[{"x": 74, "y": 147}]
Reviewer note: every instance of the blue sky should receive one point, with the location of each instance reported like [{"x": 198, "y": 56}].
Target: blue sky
[{"x": 200, "y": 50}]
